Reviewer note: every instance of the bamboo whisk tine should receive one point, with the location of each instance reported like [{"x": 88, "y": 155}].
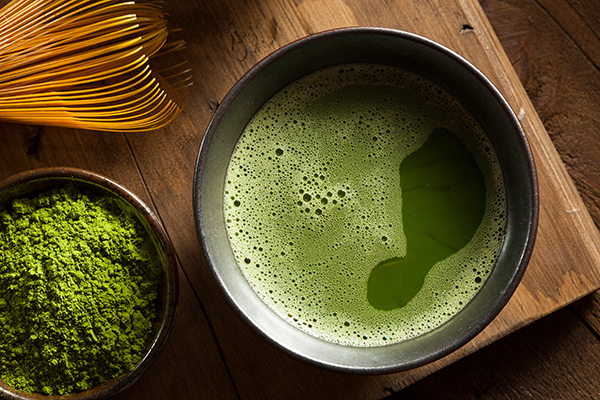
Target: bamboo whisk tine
[{"x": 86, "y": 64}]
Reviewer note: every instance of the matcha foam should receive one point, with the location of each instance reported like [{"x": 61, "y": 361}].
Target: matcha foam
[{"x": 313, "y": 202}]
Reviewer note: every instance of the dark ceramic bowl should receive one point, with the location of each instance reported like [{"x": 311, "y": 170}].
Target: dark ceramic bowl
[
  {"x": 29, "y": 184},
  {"x": 432, "y": 61}
]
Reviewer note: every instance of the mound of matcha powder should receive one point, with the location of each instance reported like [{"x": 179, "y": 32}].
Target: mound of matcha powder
[{"x": 78, "y": 286}]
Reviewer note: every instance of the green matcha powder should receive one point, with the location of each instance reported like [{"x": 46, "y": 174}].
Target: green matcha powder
[{"x": 78, "y": 287}]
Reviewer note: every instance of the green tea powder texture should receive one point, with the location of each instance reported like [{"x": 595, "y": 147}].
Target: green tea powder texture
[{"x": 78, "y": 287}]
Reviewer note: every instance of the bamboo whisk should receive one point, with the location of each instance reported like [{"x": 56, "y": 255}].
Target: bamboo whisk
[{"x": 86, "y": 64}]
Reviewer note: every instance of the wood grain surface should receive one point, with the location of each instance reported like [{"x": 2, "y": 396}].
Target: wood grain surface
[
  {"x": 551, "y": 49},
  {"x": 554, "y": 48}
]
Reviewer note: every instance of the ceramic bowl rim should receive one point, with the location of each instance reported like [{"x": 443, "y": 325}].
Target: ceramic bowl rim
[{"x": 205, "y": 233}]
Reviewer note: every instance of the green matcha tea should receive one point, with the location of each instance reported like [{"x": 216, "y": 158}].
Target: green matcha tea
[
  {"x": 443, "y": 201},
  {"x": 364, "y": 205}
]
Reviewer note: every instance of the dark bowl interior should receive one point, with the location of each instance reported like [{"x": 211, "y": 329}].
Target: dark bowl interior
[
  {"x": 413, "y": 53},
  {"x": 29, "y": 184}
]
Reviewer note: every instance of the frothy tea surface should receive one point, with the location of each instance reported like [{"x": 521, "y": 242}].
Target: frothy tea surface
[{"x": 314, "y": 204}]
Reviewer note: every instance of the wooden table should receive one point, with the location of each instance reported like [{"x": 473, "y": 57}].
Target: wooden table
[{"x": 550, "y": 46}]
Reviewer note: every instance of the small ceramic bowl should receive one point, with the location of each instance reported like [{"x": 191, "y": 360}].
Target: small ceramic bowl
[
  {"x": 418, "y": 55},
  {"x": 30, "y": 183}
]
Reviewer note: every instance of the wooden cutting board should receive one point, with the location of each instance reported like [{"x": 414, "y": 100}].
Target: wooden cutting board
[
  {"x": 566, "y": 259},
  {"x": 211, "y": 352}
]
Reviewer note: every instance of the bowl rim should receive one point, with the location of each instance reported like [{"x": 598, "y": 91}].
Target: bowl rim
[
  {"x": 204, "y": 232},
  {"x": 171, "y": 293}
]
